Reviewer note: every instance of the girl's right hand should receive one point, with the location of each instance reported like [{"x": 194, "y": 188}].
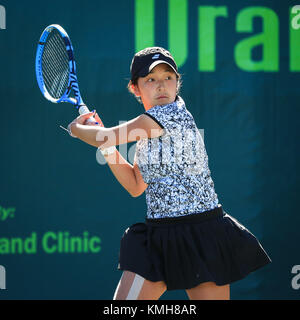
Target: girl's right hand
[
  {"x": 95, "y": 115},
  {"x": 83, "y": 119},
  {"x": 97, "y": 123}
]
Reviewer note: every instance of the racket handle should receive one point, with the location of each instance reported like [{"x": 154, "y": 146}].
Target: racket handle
[{"x": 83, "y": 109}]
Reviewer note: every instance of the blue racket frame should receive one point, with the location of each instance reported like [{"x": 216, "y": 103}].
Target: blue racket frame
[{"x": 73, "y": 82}]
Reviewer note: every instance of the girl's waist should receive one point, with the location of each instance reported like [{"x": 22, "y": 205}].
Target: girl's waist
[{"x": 189, "y": 218}]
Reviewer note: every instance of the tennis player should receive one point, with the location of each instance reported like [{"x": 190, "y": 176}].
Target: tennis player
[{"x": 187, "y": 240}]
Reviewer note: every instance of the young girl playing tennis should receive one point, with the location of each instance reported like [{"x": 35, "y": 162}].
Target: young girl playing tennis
[{"x": 187, "y": 240}]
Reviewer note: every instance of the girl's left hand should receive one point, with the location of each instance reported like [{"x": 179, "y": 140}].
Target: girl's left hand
[
  {"x": 83, "y": 119},
  {"x": 97, "y": 118}
]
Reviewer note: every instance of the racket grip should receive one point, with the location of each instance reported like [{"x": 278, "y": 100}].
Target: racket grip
[{"x": 83, "y": 109}]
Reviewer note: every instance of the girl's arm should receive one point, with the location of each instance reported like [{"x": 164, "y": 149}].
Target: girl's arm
[
  {"x": 129, "y": 176},
  {"x": 140, "y": 127}
]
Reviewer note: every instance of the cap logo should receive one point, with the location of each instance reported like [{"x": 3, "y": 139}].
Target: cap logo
[{"x": 156, "y": 56}]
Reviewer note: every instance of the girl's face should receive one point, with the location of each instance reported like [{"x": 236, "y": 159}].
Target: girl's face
[{"x": 159, "y": 87}]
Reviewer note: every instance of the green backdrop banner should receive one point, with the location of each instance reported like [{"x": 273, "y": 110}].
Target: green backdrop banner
[{"x": 62, "y": 213}]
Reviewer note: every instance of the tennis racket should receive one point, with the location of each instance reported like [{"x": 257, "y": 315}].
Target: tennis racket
[{"x": 56, "y": 69}]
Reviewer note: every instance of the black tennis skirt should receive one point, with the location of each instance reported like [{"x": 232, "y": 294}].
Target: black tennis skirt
[{"x": 186, "y": 251}]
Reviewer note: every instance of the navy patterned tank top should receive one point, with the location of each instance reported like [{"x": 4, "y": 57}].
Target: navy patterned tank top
[{"x": 175, "y": 165}]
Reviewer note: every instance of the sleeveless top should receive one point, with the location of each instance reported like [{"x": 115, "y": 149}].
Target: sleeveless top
[{"x": 175, "y": 165}]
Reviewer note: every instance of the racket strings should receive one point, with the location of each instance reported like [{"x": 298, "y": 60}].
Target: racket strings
[
  {"x": 55, "y": 65},
  {"x": 56, "y": 78},
  {"x": 55, "y": 75},
  {"x": 58, "y": 67}
]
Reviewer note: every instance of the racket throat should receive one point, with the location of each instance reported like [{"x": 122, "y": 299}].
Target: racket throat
[{"x": 73, "y": 85}]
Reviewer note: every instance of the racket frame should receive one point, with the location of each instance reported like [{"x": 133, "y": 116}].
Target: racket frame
[{"x": 72, "y": 83}]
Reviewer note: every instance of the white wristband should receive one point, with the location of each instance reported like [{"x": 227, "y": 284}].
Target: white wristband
[{"x": 108, "y": 151}]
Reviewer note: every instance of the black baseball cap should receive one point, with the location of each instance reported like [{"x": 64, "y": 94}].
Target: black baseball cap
[{"x": 145, "y": 60}]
